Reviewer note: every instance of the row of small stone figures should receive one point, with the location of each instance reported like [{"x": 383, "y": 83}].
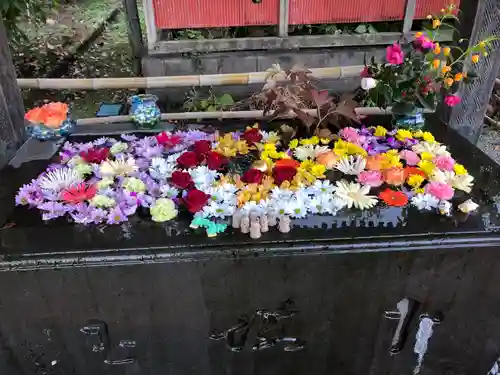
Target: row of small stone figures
[{"x": 257, "y": 223}]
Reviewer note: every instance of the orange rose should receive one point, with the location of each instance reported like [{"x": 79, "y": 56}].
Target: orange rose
[
  {"x": 394, "y": 176},
  {"x": 57, "y": 107},
  {"x": 374, "y": 162},
  {"x": 328, "y": 159},
  {"x": 35, "y": 115}
]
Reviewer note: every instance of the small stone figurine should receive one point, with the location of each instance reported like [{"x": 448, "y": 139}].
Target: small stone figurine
[
  {"x": 273, "y": 219},
  {"x": 264, "y": 223},
  {"x": 236, "y": 220},
  {"x": 255, "y": 231},
  {"x": 284, "y": 224},
  {"x": 245, "y": 224}
]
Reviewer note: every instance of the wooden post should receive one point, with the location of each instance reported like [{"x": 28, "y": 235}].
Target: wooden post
[
  {"x": 468, "y": 116},
  {"x": 284, "y": 11},
  {"x": 11, "y": 103},
  {"x": 149, "y": 17},
  {"x": 135, "y": 34},
  {"x": 409, "y": 14}
]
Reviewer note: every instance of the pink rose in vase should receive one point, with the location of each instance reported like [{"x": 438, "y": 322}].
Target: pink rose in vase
[
  {"x": 371, "y": 178},
  {"x": 394, "y": 54}
]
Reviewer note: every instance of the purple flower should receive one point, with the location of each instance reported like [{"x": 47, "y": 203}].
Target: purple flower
[
  {"x": 393, "y": 143},
  {"x": 52, "y": 210},
  {"x": 82, "y": 214},
  {"x": 83, "y": 147},
  {"x": 128, "y": 137},
  {"x": 101, "y": 141},
  {"x": 374, "y": 147},
  {"x": 128, "y": 207},
  {"x": 22, "y": 196},
  {"x": 116, "y": 216},
  {"x": 69, "y": 147},
  {"x": 98, "y": 215}
]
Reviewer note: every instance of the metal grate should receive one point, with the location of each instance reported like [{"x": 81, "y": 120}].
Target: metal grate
[{"x": 468, "y": 116}]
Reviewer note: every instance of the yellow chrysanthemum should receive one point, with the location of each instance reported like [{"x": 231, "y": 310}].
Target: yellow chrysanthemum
[
  {"x": 380, "y": 131},
  {"x": 460, "y": 169},
  {"x": 418, "y": 134},
  {"x": 309, "y": 141},
  {"x": 293, "y": 143},
  {"x": 324, "y": 141},
  {"x": 318, "y": 170},
  {"x": 403, "y": 134},
  {"x": 415, "y": 180},
  {"x": 427, "y": 166},
  {"x": 427, "y": 156},
  {"x": 353, "y": 149},
  {"x": 390, "y": 160},
  {"x": 419, "y": 191},
  {"x": 428, "y": 137}
]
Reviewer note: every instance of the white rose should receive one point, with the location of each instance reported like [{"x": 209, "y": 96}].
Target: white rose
[{"x": 368, "y": 83}]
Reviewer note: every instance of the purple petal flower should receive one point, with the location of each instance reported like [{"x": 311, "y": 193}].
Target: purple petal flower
[
  {"x": 82, "y": 214},
  {"x": 128, "y": 137},
  {"x": 98, "y": 215},
  {"x": 52, "y": 210},
  {"x": 393, "y": 143},
  {"x": 116, "y": 216}
]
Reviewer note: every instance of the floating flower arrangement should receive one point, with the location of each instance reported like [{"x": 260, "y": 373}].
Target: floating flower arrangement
[{"x": 252, "y": 179}]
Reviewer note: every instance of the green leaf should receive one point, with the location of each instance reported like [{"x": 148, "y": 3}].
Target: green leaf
[
  {"x": 426, "y": 101},
  {"x": 372, "y": 29},
  {"x": 211, "y": 108},
  {"x": 225, "y": 100},
  {"x": 204, "y": 104}
]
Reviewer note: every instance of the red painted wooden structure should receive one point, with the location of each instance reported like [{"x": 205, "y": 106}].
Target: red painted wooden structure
[{"x": 175, "y": 14}]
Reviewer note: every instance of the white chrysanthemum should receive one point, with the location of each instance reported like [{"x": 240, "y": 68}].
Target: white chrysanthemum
[
  {"x": 75, "y": 160},
  {"x": 434, "y": 148},
  {"x": 160, "y": 169},
  {"x": 325, "y": 204},
  {"x": 221, "y": 210},
  {"x": 309, "y": 151},
  {"x": 352, "y": 165},
  {"x": 203, "y": 177},
  {"x": 173, "y": 158},
  {"x": 354, "y": 194},
  {"x": 463, "y": 182},
  {"x": 60, "y": 179},
  {"x": 445, "y": 177},
  {"x": 219, "y": 194},
  {"x": 269, "y": 137},
  {"x": 296, "y": 208},
  {"x": 468, "y": 206},
  {"x": 168, "y": 191},
  {"x": 320, "y": 187},
  {"x": 118, "y": 167},
  {"x": 304, "y": 152},
  {"x": 252, "y": 206},
  {"x": 425, "y": 201},
  {"x": 279, "y": 194}
]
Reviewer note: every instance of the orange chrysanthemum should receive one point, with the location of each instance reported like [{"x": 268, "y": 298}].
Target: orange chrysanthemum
[
  {"x": 394, "y": 176},
  {"x": 393, "y": 198},
  {"x": 287, "y": 163}
]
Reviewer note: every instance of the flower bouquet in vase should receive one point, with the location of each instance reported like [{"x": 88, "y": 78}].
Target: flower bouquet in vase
[
  {"x": 49, "y": 121},
  {"x": 144, "y": 111},
  {"x": 418, "y": 76}
]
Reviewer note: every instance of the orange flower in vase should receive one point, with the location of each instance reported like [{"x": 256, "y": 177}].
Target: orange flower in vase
[
  {"x": 52, "y": 115},
  {"x": 394, "y": 176},
  {"x": 394, "y": 198}
]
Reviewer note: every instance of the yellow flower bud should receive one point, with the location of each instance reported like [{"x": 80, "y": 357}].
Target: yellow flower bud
[
  {"x": 475, "y": 58},
  {"x": 436, "y": 23},
  {"x": 445, "y": 69},
  {"x": 459, "y": 77},
  {"x": 436, "y": 63},
  {"x": 482, "y": 44},
  {"x": 446, "y": 51},
  {"x": 419, "y": 34},
  {"x": 449, "y": 81}
]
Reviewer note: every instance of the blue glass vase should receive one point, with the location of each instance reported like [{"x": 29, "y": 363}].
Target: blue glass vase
[
  {"x": 44, "y": 133},
  {"x": 144, "y": 111},
  {"x": 414, "y": 121}
]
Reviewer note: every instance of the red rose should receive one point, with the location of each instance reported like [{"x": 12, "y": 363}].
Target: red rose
[
  {"x": 195, "y": 200},
  {"x": 216, "y": 161},
  {"x": 252, "y": 135},
  {"x": 202, "y": 147},
  {"x": 168, "y": 140},
  {"x": 252, "y": 176},
  {"x": 181, "y": 180},
  {"x": 188, "y": 159},
  {"x": 95, "y": 155},
  {"x": 281, "y": 174}
]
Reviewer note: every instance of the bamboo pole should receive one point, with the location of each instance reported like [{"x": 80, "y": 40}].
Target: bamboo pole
[
  {"x": 222, "y": 115},
  {"x": 175, "y": 81}
]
